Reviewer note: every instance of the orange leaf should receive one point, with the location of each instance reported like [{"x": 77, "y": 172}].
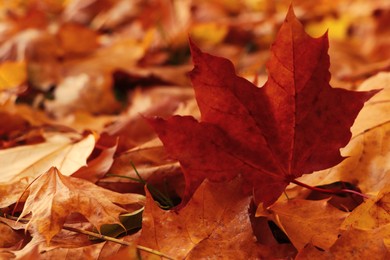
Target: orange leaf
[
  {"x": 12, "y": 74},
  {"x": 53, "y": 197},
  {"x": 215, "y": 223},
  {"x": 307, "y": 221},
  {"x": 68, "y": 152}
]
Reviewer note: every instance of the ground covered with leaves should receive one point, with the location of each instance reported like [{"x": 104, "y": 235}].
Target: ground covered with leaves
[{"x": 194, "y": 129}]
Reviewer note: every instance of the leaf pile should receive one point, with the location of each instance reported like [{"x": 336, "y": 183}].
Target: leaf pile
[{"x": 113, "y": 144}]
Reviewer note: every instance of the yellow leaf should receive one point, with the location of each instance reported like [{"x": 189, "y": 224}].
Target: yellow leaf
[
  {"x": 338, "y": 28},
  {"x": 209, "y": 33},
  {"x": 373, "y": 213},
  {"x": 12, "y": 74}
]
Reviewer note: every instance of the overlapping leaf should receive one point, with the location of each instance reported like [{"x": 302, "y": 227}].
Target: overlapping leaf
[
  {"x": 53, "y": 197},
  {"x": 306, "y": 221},
  {"x": 295, "y": 124},
  {"x": 214, "y": 223},
  {"x": 68, "y": 152}
]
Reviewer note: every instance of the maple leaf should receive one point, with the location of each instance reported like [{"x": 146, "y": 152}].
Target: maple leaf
[
  {"x": 99, "y": 166},
  {"x": 53, "y": 197},
  {"x": 369, "y": 149},
  {"x": 295, "y": 124},
  {"x": 215, "y": 223},
  {"x": 68, "y": 152},
  {"x": 354, "y": 244},
  {"x": 306, "y": 221},
  {"x": 373, "y": 213}
]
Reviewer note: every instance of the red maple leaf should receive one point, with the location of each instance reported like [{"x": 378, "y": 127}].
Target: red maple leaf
[{"x": 295, "y": 124}]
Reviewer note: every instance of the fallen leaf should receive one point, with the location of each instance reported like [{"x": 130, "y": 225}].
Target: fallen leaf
[
  {"x": 215, "y": 222},
  {"x": 9, "y": 237},
  {"x": 369, "y": 148},
  {"x": 53, "y": 197},
  {"x": 77, "y": 39},
  {"x": 305, "y": 221},
  {"x": 99, "y": 166},
  {"x": 67, "y": 152},
  {"x": 354, "y": 244},
  {"x": 312, "y": 252},
  {"x": 373, "y": 213},
  {"x": 294, "y": 125},
  {"x": 362, "y": 244},
  {"x": 209, "y": 33},
  {"x": 12, "y": 74},
  {"x": 11, "y": 191}
]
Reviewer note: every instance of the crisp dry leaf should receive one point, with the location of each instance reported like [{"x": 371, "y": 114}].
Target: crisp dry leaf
[
  {"x": 9, "y": 237},
  {"x": 362, "y": 244},
  {"x": 376, "y": 110},
  {"x": 312, "y": 252},
  {"x": 67, "y": 152},
  {"x": 215, "y": 223},
  {"x": 306, "y": 221},
  {"x": 373, "y": 213},
  {"x": 103, "y": 250},
  {"x": 10, "y": 192},
  {"x": 99, "y": 166},
  {"x": 294, "y": 125},
  {"x": 354, "y": 244},
  {"x": 53, "y": 197}
]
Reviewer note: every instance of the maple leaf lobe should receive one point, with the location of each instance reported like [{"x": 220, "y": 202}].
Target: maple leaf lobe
[{"x": 295, "y": 124}]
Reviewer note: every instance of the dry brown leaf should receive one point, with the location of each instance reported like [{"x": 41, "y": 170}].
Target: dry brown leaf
[
  {"x": 354, "y": 244},
  {"x": 77, "y": 39},
  {"x": 66, "y": 151},
  {"x": 373, "y": 213},
  {"x": 9, "y": 237},
  {"x": 362, "y": 244},
  {"x": 69, "y": 245},
  {"x": 214, "y": 223},
  {"x": 99, "y": 166},
  {"x": 306, "y": 221},
  {"x": 312, "y": 252},
  {"x": 376, "y": 110},
  {"x": 152, "y": 165},
  {"x": 53, "y": 197},
  {"x": 12, "y": 75},
  {"x": 10, "y": 192}
]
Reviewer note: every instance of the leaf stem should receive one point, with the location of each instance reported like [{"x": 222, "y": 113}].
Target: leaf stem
[
  {"x": 115, "y": 240},
  {"x": 97, "y": 235},
  {"x": 330, "y": 191}
]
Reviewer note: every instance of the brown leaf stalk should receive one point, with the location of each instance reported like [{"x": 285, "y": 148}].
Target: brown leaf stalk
[{"x": 99, "y": 236}]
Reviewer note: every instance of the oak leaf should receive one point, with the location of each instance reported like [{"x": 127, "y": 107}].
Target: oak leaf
[
  {"x": 53, "y": 197},
  {"x": 295, "y": 124},
  {"x": 215, "y": 222}
]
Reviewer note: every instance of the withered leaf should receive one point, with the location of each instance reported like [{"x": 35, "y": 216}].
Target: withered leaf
[{"x": 53, "y": 197}]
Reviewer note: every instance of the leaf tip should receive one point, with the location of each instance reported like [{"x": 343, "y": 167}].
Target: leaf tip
[{"x": 290, "y": 13}]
